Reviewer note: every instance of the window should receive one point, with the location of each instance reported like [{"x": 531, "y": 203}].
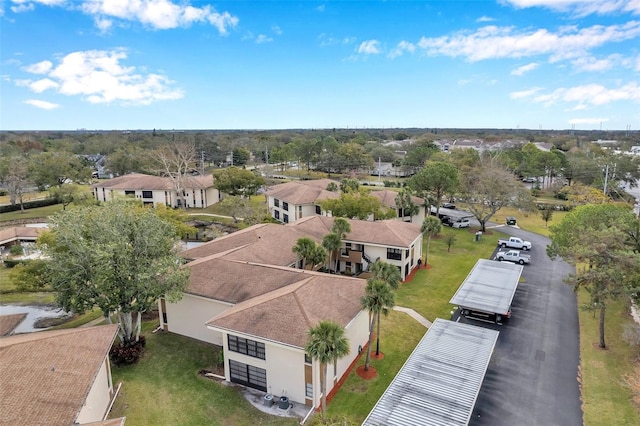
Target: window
[
  {"x": 276, "y": 214},
  {"x": 318, "y": 210},
  {"x": 248, "y": 375},
  {"x": 129, "y": 193},
  {"x": 285, "y": 206},
  {"x": 285, "y": 218},
  {"x": 147, "y": 194},
  {"x": 246, "y": 346},
  {"x": 308, "y": 391},
  {"x": 276, "y": 202},
  {"x": 307, "y": 359},
  {"x": 298, "y": 212},
  {"x": 395, "y": 254}
]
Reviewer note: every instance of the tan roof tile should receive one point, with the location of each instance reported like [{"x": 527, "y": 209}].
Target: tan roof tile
[
  {"x": 303, "y": 192},
  {"x": 46, "y": 376},
  {"x": 20, "y": 232},
  {"x": 139, "y": 181},
  {"x": 286, "y": 314},
  {"x": 388, "y": 198},
  {"x": 8, "y": 323}
]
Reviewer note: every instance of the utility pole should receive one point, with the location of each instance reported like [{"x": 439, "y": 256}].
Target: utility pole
[
  {"x": 202, "y": 162},
  {"x": 231, "y": 158},
  {"x": 266, "y": 155},
  {"x": 606, "y": 177}
]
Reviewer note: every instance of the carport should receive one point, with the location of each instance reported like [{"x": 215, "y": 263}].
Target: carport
[
  {"x": 440, "y": 381},
  {"x": 487, "y": 292}
]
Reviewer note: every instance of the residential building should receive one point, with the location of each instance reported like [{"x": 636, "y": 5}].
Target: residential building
[
  {"x": 19, "y": 235},
  {"x": 198, "y": 191},
  {"x": 60, "y": 377},
  {"x": 388, "y": 199},
  {"x": 290, "y": 201}
]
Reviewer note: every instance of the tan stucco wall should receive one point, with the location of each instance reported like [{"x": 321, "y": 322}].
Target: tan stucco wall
[
  {"x": 97, "y": 402},
  {"x": 189, "y": 315}
]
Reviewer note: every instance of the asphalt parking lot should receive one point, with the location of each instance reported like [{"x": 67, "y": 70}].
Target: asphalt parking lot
[{"x": 533, "y": 375}]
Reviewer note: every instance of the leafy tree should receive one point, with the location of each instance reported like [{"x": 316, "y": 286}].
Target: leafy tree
[
  {"x": 237, "y": 181},
  {"x": 349, "y": 185},
  {"x": 389, "y": 274},
  {"x": 594, "y": 239},
  {"x": 430, "y": 228},
  {"x": 546, "y": 215},
  {"x": 241, "y": 156},
  {"x": 55, "y": 168},
  {"x": 14, "y": 173},
  {"x": 326, "y": 343},
  {"x": 378, "y": 298},
  {"x": 356, "y": 205},
  {"x": 419, "y": 152},
  {"x": 449, "y": 239},
  {"x": 332, "y": 186},
  {"x": 438, "y": 179},
  {"x": 116, "y": 257},
  {"x": 486, "y": 189},
  {"x": 237, "y": 207},
  {"x": 305, "y": 248},
  {"x": 127, "y": 159},
  {"x": 178, "y": 218},
  {"x": 68, "y": 193},
  {"x": 30, "y": 275},
  {"x": 405, "y": 205}
]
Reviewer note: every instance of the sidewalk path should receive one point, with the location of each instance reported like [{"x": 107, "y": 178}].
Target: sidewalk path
[
  {"x": 422, "y": 320},
  {"x": 213, "y": 215}
]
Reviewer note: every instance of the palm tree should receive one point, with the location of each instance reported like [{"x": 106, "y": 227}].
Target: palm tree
[
  {"x": 378, "y": 298},
  {"x": 326, "y": 343},
  {"x": 304, "y": 248},
  {"x": 332, "y": 242},
  {"x": 341, "y": 227},
  {"x": 317, "y": 257},
  {"x": 430, "y": 227},
  {"x": 389, "y": 274}
]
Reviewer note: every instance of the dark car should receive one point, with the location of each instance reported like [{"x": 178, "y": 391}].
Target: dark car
[
  {"x": 511, "y": 220},
  {"x": 446, "y": 221},
  {"x": 448, "y": 206}
]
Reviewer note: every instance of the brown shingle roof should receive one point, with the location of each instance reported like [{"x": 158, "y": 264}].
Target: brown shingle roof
[
  {"x": 20, "y": 232},
  {"x": 46, "y": 376},
  {"x": 139, "y": 181},
  {"x": 388, "y": 198},
  {"x": 8, "y": 323},
  {"x": 286, "y": 314},
  {"x": 303, "y": 192}
]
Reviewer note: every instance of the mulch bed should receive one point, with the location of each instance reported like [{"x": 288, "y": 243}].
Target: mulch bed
[
  {"x": 379, "y": 356},
  {"x": 367, "y": 375}
]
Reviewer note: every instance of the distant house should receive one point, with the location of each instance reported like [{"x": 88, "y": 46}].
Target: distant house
[
  {"x": 247, "y": 294},
  {"x": 388, "y": 199},
  {"x": 60, "y": 377},
  {"x": 18, "y": 235},
  {"x": 198, "y": 191},
  {"x": 290, "y": 201}
]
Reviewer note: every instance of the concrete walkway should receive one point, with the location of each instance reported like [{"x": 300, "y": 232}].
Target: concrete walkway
[{"x": 416, "y": 316}]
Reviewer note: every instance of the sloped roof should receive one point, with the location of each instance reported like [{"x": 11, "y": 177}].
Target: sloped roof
[
  {"x": 303, "y": 192},
  {"x": 20, "y": 232},
  {"x": 388, "y": 198},
  {"x": 234, "y": 281},
  {"x": 139, "y": 181},
  {"x": 46, "y": 376},
  {"x": 8, "y": 323},
  {"x": 285, "y": 315}
]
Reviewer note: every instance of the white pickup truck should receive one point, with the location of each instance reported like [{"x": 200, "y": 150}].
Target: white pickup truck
[
  {"x": 513, "y": 256},
  {"x": 516, "y": 243}
]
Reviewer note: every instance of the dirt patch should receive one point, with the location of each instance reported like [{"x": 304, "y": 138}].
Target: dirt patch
[
  {"x": 372, "y": 373},
  {"x": 51, "y": 322},
  {"x": 379, "y": 356}
]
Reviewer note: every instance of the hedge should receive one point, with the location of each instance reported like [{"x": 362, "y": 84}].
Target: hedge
[{"x": 29, "y": 205}]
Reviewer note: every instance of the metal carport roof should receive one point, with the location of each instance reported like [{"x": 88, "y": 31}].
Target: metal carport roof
[
  {"x": 452, "y": 213},
  {"x": 489, "y": 287},
  {"x": 440, "y": 381}
]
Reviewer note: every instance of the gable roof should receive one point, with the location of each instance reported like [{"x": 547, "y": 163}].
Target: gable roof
[
  {"x": 388, "y": 198},
  {"x": 285, "y": 315},
  {"x": 303, "y": 192},
  {"x": 139, "y": 181},
  {"x": 9, "y": 322},
  {"x": 48, "y": 374}
]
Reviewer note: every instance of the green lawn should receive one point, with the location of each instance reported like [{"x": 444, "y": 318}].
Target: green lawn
[
  {"x": 164, "y": 388},
  {"x": 39, "y": 212}
]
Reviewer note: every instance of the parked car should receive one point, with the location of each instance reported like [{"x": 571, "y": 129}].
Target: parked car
[
  {"x": 461, "y": 223},
  {"x": 515, "y": 242},
  {"x": 513, "y": 256},
  {"x": 511, "y": 220},
  {"x": 448, "y": 205}
]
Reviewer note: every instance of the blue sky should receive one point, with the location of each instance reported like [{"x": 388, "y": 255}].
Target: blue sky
[{"x": 200, "y": 64}]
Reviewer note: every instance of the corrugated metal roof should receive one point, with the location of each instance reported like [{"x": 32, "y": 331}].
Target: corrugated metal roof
[
  {"x": 440, "y": 382},
  {"x": 489, "y": 287}
]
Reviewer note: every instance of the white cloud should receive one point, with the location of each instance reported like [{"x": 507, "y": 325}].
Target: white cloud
[
  {"x": 263, "y": 39},
  {"x": 99, "y": 77},
  {"x": 592, "y": 64},
  {"x": 328, "y": 40},
  {"x": 581, "y": 7},
  {"x": 584, "y": 96},
  {"x": 506, "y": 42},
  {"x": 525, "y": 68},
  {"x": 276, "y": 29},
  {"x": 103, "y": 24},
  {"x": 369, "y": 47},
  {"x": 41, "y": 104},
  {"x": 485, "y": 19},
  {"x": 403, "y": 46},
  {"x": 157, "y": 14},
  {"x": 525, "y": 93},
  {"x": 39, "y": 68},
  {"x": 23, "y": 8},
  {"x": 320, "y": 8}
]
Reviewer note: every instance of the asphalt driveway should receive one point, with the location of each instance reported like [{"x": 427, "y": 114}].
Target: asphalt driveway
[{"x": 533, "y": 375}]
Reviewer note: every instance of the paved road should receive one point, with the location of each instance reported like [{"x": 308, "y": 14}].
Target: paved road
[{"x": 532, "y": 377}]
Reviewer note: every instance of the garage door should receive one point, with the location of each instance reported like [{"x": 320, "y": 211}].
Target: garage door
[{"x": 248, "y": 375}]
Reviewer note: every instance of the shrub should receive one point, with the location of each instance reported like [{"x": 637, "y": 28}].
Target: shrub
[
  {"x": 125, "y": 354},
  {"x": 28, "y": 205},
  {"x": 16, "y": 250},
  {"x": 10, "y": 263},
  {"x": 535, "y": 192}
]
